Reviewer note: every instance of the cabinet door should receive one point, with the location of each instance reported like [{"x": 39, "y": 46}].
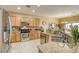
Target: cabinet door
[
  {"x": 35, "y": 22},
  {"x": 18, "y": 21},
  {"x": 18, "y": 36},
  {"x": 13, "y": 37},
  {"x": 47, "y": 38},
  {"x": 31, "y": 22},
  {"x": 31, "y": 35},
  {"x": 34, "y": 35},
  {"x": 37, "y": 35},
  {"x": 13, "y": 20}
]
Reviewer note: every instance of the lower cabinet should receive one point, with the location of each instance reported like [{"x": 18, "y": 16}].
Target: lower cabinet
[
  {"x": 18, "y": 37},
  {"x": 44, "y": 38},
  {"x": 15, "y": 37},
  {"x": 34, "y": 35}
]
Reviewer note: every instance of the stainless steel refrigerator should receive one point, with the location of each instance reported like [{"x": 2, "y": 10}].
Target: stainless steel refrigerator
[{"x": 5, "y": 31}]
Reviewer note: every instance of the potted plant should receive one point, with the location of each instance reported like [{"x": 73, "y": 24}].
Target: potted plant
[{"x": 75, "y": 37}]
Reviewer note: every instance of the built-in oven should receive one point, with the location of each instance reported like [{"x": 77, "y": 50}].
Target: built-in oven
[{"x": 24, "y": 34}]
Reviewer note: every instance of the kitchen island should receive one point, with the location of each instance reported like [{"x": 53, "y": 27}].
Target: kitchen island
[{"x": 54, "y": 47}]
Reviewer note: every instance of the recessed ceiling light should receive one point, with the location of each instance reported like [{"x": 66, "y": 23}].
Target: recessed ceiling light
[
  {"x": 33, "y": 11},
  {"x": 18, "y": 8}
]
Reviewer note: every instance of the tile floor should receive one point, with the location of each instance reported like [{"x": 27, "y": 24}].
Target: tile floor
[{"x": 25, "y": 47}]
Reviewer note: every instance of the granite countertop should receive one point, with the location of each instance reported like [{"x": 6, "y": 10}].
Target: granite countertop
[
  {"x": 55, "y": 47},
  {"x": 53, "y": 35}
]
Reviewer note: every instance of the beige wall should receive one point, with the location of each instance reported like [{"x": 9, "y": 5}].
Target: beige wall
[
  {"x": 49, "y": 20},
  {"x": 71, "y": 19}
]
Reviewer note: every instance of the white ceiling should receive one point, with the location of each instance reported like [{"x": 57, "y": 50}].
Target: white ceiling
[{"x": 45, "y": 10}]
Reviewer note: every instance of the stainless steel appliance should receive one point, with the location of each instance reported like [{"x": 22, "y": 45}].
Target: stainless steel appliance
[
  {"x": 24, "y": 31},
  {"x": 5, "y": 31},
  {"x": 24, "y": 34}
]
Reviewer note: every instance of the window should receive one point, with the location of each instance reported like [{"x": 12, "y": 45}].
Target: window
[{"x": 67, "y": 26}]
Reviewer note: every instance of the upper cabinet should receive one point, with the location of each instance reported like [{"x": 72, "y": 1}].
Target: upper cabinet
[
  {"x": 18, "y": 21},
  {"x": 15, "y": 21},
  {"x": 35, "y": 22},
  {"x": 25, "y": 19}
]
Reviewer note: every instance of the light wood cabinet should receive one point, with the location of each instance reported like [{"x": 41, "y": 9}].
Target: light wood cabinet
[
  {"x": 34, "y": 35},
  {"x": 18, "y": 21},
  {"x": 15, "y": 36},
  {"x": 31, "y": 23},
  {"x": 37, "y": 21},
  {"x": 13, "y": 20},
  {"x": 34, "y": 22},
  {"x": 47, "y": 38},
  {"x": 44, "y": 37},
  {"x": 18, "y": 39}
]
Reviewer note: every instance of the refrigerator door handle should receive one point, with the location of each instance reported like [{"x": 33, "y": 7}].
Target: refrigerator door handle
[{"x": 10, "y": 29}]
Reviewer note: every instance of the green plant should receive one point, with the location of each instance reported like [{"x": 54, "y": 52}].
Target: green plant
[{"x": 75, "y": 34}]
